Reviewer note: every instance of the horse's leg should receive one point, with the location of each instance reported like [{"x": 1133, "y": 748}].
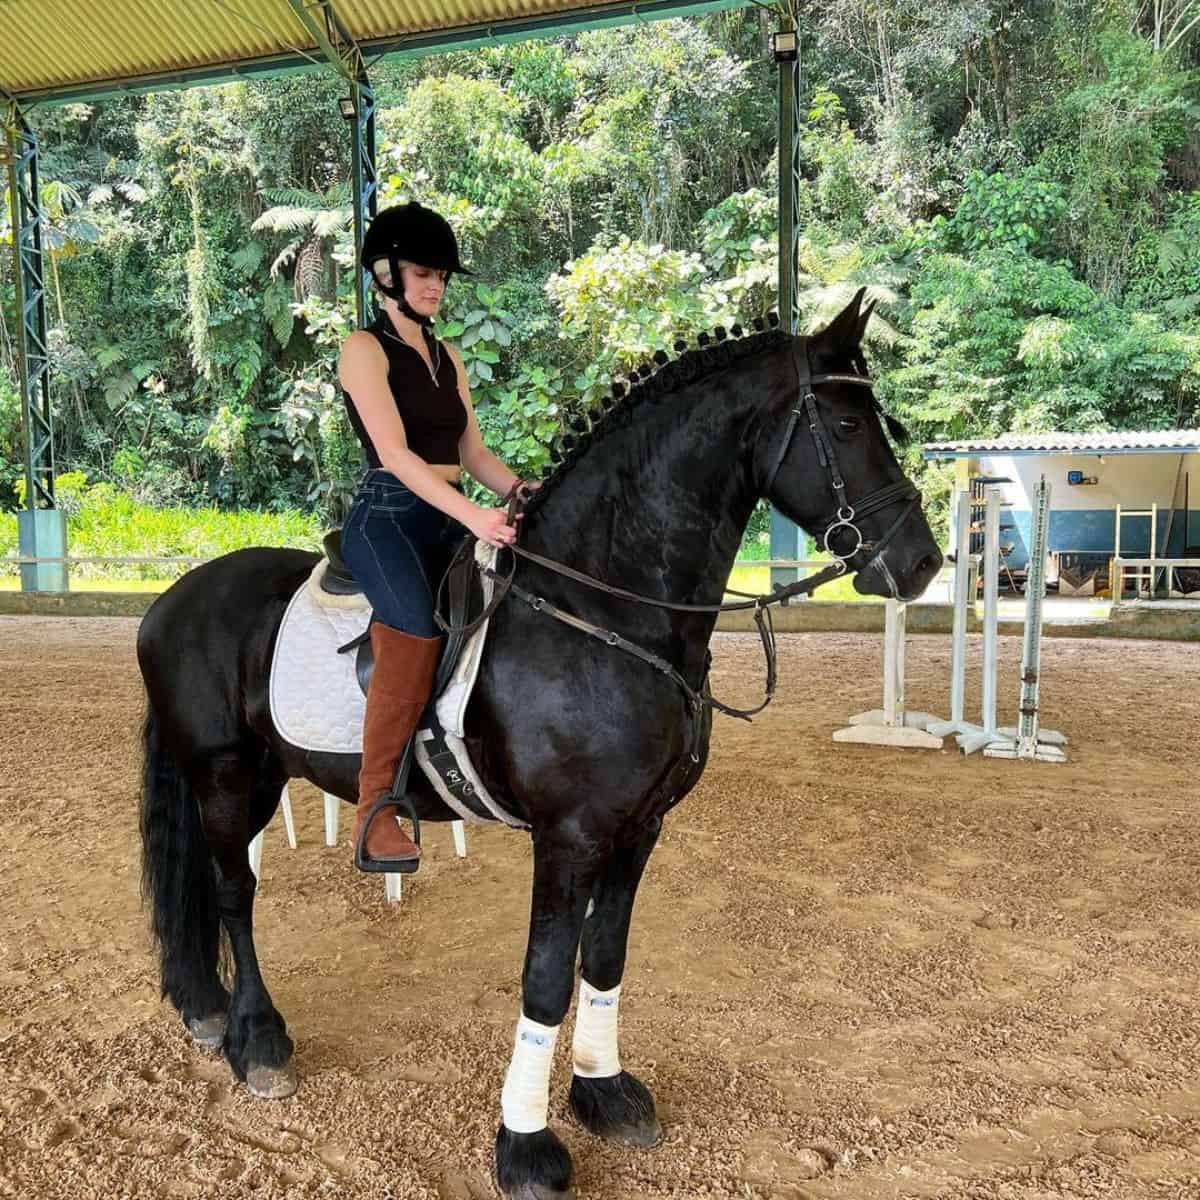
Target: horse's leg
[
  {"x": 531, "y": 1163},
  {"x": 238, "y": 792},
  {"x": 606, "y": 1100}
]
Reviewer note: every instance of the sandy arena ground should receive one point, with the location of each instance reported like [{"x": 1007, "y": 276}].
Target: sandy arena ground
[{"x": 854, "y": 973}]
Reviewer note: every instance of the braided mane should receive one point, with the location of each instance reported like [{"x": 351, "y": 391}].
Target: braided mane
[{"x": 655, "y": 381}]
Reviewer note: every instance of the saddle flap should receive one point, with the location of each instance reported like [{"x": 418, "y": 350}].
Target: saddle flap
[
  {"x": 464, "y": 588},
  {"x": 338, "y": 578}
]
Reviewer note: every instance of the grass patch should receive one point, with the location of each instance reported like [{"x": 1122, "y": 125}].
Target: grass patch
[
  {"x": 106, "y": 523},
  {"x": 97, "y": 583},
  {"x": 103, "y": 522}
]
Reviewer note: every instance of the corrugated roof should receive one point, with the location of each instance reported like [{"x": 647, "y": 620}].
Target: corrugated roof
[
  {"x": 70, "y": 49},
  {"x": 1151, "y": 441},
  {"x": 48, "y": 44}
]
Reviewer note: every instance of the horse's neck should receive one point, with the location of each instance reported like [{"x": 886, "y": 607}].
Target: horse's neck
[{"x": 659, "y": 507}]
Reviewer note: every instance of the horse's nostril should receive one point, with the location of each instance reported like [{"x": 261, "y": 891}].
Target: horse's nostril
[{"x": 930, "y": 564}]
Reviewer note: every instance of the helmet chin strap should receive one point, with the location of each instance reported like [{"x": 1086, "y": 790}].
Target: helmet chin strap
[
  {"x": 395, "y": 290},
  {"x": 420, "y": 318}
]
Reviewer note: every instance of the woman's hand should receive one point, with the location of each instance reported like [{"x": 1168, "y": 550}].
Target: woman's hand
[{"x": 491, "y": 526}]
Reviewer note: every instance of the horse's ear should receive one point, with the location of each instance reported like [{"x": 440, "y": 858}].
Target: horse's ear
[
  {"x": 844, "y": 332},
  {"x": 863, "y": 320}
]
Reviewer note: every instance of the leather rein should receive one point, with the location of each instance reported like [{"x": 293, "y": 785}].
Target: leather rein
[{"x": 845, "y": 518}]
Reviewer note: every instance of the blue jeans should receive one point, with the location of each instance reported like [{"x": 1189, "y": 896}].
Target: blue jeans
[{"x": 398, "y": 547}]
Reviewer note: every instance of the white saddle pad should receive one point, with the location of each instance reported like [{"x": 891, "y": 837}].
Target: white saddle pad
[{"x": 316, "y": 702}]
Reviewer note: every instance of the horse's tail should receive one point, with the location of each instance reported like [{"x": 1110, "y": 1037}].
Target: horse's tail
[{"x": 179, "y": 882}]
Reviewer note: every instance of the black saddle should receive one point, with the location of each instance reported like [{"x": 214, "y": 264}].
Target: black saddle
[
  {"x": 338, "y": 579},
  {"x": 464, "y": 599}
]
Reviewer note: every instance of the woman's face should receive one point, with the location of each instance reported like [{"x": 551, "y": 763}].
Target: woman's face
[{"x": 423, "y": 286}]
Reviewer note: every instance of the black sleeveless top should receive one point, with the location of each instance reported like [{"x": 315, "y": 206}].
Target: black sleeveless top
[{"x": 431, "y": 408}]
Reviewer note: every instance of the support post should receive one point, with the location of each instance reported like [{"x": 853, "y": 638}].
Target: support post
[
  {"x": 41, "y": 526},
  {"x": 892, "y": 725},
  {"x": 964, "y": 603},
  {"x": 788, "y": 540},
  {"x": 975, "y": 737},
  {"x": 366, "y": 185},
  {"x": 345, "y": 57},
  {"x": 1027, "y": 740}
]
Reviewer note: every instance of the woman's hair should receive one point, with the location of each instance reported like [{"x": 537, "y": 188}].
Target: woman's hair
[{"x": 374, "y": 283}]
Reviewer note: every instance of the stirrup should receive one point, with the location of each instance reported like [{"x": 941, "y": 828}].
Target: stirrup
[{"x": 396, "y": 798}]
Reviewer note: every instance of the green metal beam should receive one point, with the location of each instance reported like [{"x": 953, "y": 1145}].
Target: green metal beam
[
  {"x": 407, "y": 46},
  {"x": 328, "y": 30},
  {"x": 365, "y": 182},
  {"x": 21, "y": 159},
  {"x": 321, "y": 20}
]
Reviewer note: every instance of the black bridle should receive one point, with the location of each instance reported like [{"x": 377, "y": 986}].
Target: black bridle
[
  {"x": 845, "y": 517},
  {"x": 847, "y": 514}
]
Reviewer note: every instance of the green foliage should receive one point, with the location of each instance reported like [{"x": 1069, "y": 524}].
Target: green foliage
[
  {"x": 998, "y": 210},
  {"x": 1166, "y": 261},
  {"x": 482, "y": 328},
  {"x": 841, "y": 162},
  {"x": 1004, "y": 340},
  {"x": 622, "y": 302},
  {"x": 736, "y": 233},
  {"x": 1108, "y": 139},
  {"x": 12, "y": 445},
  {"x": 462, "y": 136},
  {"x": 105, "y": 521},
  {"x": 519, "y": 426},
  {"x": 659, "y": 125},
  {"x": 1013, "y": 185}
]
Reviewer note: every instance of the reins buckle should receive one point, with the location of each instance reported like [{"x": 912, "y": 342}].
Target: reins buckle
[{"x": 537, "y": 603}]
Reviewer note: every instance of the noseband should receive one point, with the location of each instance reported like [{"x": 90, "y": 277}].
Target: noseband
[{"x": 847, "y": 513}]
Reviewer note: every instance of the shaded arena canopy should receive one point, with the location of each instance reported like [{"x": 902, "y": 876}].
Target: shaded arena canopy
[{"x": 62, "y": 51}]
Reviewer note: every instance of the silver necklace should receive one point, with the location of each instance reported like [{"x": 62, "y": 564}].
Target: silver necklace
[{"x": 437, "y": 348}]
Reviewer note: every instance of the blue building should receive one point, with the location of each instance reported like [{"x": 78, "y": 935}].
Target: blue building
[{"x": 1091, "y": 474}]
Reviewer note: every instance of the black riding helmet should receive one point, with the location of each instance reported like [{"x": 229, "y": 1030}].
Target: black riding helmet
[{"x": 409, "y": 233}]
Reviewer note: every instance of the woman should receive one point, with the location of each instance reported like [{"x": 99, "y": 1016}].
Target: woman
[{"x": 410, "y": 405}]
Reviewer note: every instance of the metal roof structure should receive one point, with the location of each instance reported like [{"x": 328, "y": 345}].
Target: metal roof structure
[
  {"x": 59, "y": 51},
  {"x": 1163, "y": 441}
]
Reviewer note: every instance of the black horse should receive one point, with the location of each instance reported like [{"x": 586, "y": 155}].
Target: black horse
[{"x": 581, "y": 740}]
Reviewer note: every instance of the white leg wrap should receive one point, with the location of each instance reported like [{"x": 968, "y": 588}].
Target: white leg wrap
[
  {"x": 595, "y": 1045},
  {"x": 525, "y": 1098}
]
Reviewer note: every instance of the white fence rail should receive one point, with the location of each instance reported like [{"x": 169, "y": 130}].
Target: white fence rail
[{"x": 23, "y": 560}]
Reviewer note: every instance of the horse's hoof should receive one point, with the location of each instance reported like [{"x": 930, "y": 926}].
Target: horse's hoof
[
  {"x": 208, "y": 1032},
  {"x": 533, "y": 1166},
  {"x": 272, "y": 1083},
  {"x": 538, "y": 1191},
  {"x": 619, "y": 1109},
  {"x": 634, "y": 1135}
]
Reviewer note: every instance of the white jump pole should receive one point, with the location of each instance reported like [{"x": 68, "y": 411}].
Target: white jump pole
[
  {"x": 964, "y": 602},
  {"x": 289, "y": 822},
  {"x": 972, "y": 737},
  {"x": 254, "y": 852},
  {"x": 975, "y": 737},
  {"x": 891, "y": 725},
  {"x": 1027, "y": 740},
  {"x": 332, "y": 808}
]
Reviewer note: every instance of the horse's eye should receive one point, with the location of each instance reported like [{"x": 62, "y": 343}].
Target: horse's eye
[{"x": 850, "y": 424}]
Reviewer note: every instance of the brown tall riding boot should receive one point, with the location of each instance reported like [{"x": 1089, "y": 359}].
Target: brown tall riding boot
[{"x": 400, "y": 685}]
